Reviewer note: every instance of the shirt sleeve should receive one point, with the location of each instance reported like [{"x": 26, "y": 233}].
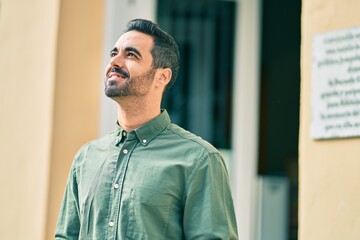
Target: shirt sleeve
[
  {"x": 209, "y": 210},
  {"x": 68, "y": 225}
]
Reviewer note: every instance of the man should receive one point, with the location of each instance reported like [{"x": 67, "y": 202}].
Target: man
[{"x": 149, "y": 179}]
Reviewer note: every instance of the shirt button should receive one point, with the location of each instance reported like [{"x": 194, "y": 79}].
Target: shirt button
[
  {"x": 125, "y": 151},
  {"x": 124, "y": 133},
  {"x": 111, "y": 224},
  {"x": 144, "y": 141},
  {"x": 116, "y": 186}
]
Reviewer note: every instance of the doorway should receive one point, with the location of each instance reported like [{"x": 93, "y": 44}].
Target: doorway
[{"x": 280, "y": 98}]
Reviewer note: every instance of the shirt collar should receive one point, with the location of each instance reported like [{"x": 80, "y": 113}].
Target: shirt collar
[{"x": 148, "y": 131}]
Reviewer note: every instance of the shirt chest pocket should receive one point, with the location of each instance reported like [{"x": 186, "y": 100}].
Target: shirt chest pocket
[{"x": 149, "y": 213}]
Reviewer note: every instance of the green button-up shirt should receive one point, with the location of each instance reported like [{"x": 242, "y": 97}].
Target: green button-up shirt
[{"x": 156, "y": 182}]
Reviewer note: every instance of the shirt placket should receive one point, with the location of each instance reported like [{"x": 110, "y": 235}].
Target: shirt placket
[{"x": 126, "y": 148}]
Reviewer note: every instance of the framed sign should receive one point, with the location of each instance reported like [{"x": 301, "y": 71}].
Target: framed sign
[{"x": 336, "y": 84}]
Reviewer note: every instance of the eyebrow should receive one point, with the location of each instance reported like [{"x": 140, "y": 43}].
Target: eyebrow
[
  {"x": 127, "y": 49},
  {"x": 113, "y": 50},
  {"x": 132, "y": 49}
]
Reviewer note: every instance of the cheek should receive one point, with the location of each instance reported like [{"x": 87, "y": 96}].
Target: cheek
[{"x": 107, "y": 70}]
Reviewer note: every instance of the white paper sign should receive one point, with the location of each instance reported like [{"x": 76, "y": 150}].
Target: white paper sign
[{"x": 336, "y": 84}]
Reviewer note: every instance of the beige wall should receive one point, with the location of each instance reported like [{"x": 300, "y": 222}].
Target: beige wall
[
  {"x": 50, "y": 66},
  {"x": 76, "y": 100},
  {"x": 27, "y": 67},
  {"x": 329, "y": 169}
]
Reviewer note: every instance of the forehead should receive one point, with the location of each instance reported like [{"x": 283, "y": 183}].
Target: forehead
[{"x": 138, "y": 40}]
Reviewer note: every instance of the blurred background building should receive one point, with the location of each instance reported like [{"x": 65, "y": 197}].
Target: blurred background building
[{"x": 244, "y": 64}]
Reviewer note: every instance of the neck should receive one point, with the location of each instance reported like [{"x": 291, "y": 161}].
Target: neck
[{"x": 133, "y": 113}]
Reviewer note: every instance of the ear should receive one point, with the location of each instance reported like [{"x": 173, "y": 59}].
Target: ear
[{"x": 163, "y": 76}]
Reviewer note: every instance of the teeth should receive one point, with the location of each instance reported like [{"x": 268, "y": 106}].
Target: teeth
[{"x": 116, "y": 75}]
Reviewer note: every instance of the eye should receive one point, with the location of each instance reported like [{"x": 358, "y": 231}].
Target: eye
[
  {"x": 113, "y": 54},
  {"x": 131, "y": 55}
]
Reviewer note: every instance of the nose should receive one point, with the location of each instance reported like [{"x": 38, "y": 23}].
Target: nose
[{"x": 117, "y": 60}]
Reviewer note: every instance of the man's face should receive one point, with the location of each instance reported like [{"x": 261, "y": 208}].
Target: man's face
[{"x": 130, "y": 72}]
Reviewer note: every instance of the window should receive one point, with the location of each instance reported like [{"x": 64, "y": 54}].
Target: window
[{"x": 201, "y": 98}]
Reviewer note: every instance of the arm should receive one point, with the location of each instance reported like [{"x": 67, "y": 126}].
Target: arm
[
  {"x": 68, "y": 225},
  {"x": 209, "y": 211}
]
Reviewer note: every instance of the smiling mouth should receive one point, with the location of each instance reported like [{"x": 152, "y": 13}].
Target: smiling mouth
[
  {"x": 115, "y": 75},
  {"x": 118, "y": 72}
]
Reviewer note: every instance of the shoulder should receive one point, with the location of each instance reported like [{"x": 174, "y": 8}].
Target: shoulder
[{"x": 188, "y": 139}]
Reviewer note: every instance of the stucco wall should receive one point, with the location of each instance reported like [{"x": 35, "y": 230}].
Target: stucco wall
[
  {"x": 28, "y": 31},
  {"x": 77, "y": 89},
  {"x": 329, "y": 179}
]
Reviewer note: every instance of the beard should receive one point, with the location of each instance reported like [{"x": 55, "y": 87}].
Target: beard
[{"x": 132, "y": 86}]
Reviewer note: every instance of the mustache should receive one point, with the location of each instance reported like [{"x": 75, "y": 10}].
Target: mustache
[{"x": 120, "y": 71}]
